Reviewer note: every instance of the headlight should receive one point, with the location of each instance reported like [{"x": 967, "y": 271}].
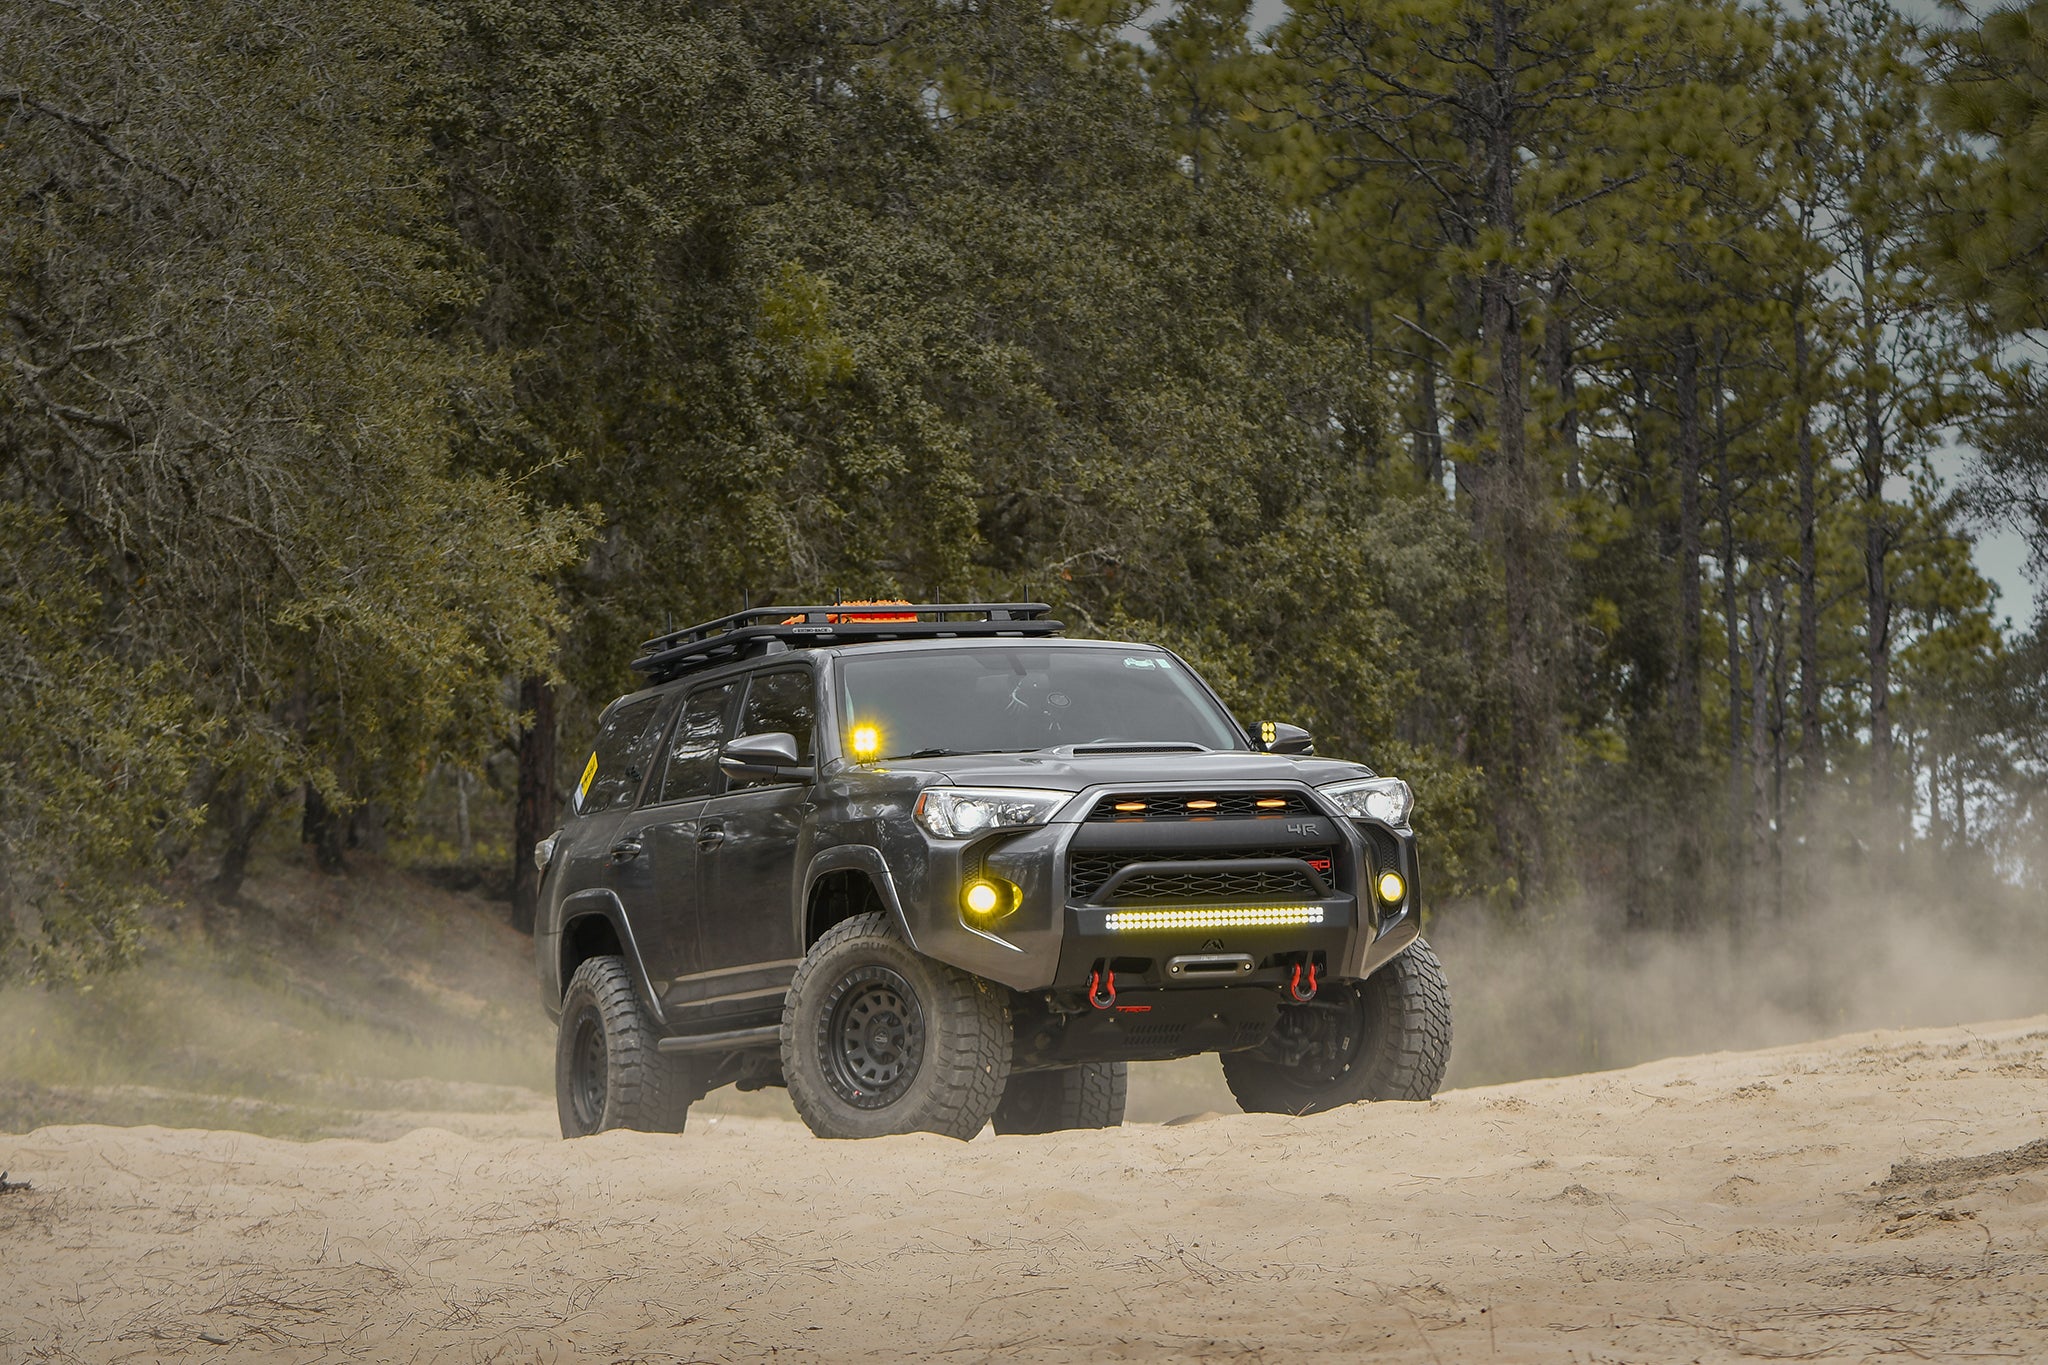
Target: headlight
[
  {"x": 544, "y": 852},
  {"x": 963, "y": 812},
  {"x": 1373, "y": 798}
]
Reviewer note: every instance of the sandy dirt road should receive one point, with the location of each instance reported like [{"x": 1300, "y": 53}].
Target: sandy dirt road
[{"x": 1882, "y": 1196}]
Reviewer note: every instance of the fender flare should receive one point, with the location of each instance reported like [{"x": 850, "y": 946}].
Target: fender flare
[
  {"x": 1393, "y": 941},
  {"x": 856, "y": 858},
  {"x": 600, "y": 903}
]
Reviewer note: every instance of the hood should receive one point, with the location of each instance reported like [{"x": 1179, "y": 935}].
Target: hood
[{"x": 1065, "y": 770}]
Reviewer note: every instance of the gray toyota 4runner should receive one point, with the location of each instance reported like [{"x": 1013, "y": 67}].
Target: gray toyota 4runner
[{"x": 930, "y": 866}]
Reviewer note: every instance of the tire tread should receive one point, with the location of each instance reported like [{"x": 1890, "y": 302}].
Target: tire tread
[
  {"x": 968, "y": 1021},
  {"x": 647, "y": 1091},
  {"x": 1410, "y": 1046},
  {"x": 1088, "y": 1095}
]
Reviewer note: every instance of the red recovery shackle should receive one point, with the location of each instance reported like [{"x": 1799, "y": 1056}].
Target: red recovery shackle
[{"x": 1102, "y": 988}]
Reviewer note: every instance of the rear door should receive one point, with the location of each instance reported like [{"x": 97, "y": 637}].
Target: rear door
[
  {"x": 655, "y": 850},
  {"x": 750, "y": 836},
  {"x": 601, "y": 803}
]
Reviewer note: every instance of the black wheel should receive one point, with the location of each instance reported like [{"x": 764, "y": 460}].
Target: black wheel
[
  {"x": 609, "y": 1072},
  {"x": 1387, "y": 1037},
  {"x": 1090, "y": 1095},
  {"x": 877, "y": 1039}
]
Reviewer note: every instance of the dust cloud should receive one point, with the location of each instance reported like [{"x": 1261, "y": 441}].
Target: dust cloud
[{"x": 1575, "y": 990}]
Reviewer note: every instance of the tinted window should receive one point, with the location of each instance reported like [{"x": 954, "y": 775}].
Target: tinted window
[
  {"x": 693, "y": 747},
  {"x": 619, "y": 760},
  {"x": 782, "y": 701},
  {"x": 983, "y": 698}
]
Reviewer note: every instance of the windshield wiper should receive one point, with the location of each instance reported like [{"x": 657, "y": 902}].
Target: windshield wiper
[{"x": 960, "y": 753}]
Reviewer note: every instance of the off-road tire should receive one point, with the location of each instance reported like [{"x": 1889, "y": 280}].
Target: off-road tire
[
  {"x": 1387, "y": 1037},
  {"x": 1090, "y": 1095},
  {"x": 609, "y": 1070},
  {"x": 878, "y": 1039}
]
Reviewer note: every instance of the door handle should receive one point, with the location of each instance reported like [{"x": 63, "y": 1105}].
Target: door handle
[
  {"x": 710, "y": 837},
  {"x": 625, "y": 849}
]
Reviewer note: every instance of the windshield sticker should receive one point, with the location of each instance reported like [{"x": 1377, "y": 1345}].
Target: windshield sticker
[
  {"x": 1141, "y": 663},
  {"x": 583, "y": 787}
]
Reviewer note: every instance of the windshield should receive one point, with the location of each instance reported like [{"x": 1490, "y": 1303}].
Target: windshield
[{"x": 1005, "y": 698}]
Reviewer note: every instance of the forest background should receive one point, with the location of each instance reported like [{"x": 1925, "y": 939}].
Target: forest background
[{"x": 1537, "y": 399}]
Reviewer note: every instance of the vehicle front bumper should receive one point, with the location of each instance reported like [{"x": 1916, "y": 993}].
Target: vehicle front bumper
[{"x": 1056, "y": 942}]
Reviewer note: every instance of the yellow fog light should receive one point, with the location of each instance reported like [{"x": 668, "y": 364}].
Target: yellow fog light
[
  {"x": 867, "y": 742},
  {"x": 1392, "y": 888},
  {"x": 989, "y": 898}
]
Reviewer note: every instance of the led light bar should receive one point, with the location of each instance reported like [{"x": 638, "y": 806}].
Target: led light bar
[{"x": 1212, "y": 917}]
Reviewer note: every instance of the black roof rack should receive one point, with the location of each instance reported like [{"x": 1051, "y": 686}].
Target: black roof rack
[{"x": 762, "y": 629}]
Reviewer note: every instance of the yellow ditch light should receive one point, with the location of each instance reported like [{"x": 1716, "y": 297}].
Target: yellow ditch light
[
  {"x": 1212, "y": 917},
  {"x": 1392, "y": 888}
]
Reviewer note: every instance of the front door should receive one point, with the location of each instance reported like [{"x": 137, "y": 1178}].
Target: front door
[
  {"x": 751, "y": 839},
  {"x": 657, "y": 845}
]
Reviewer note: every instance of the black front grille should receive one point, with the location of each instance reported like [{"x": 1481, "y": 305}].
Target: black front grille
[
  {"x": 1090, "y": 869},
  {"x": 1195, "y": 888},
  {"x": 1199, "y": 805}
]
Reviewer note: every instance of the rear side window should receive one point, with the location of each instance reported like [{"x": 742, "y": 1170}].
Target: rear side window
[
  {"x": 784, "y": 701},
  {"x": 619, "y": 759},
  {"x": 693, "y": 747}
]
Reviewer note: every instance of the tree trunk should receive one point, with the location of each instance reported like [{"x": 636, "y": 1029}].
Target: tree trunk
[
  {"x": 534, "y": 805},
  {"x": 1429, "y": 436},
  {"x": 1686, "y": 727},
  {"x": 1778, "y": 753},
  {"x": 1733, "y": 626},
  {"x": 1561, "y": 375},
  {"x": 1810, "y": 757},
  {"x": 240, "y": 821},
  {"x": 325, "y": 830},
  {"x": 1513, "y": 494},
  {"x": 1429, "y": 431},
  {"x": 1759, "y": 793},
  {"x": 1962, "y": 801},
  {"x": 1887, "y": 823}
]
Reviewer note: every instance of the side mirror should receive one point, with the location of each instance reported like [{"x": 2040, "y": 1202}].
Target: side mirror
[
  {"x": 771, "y": 755},
  {"x": 1277, "y": 738}
]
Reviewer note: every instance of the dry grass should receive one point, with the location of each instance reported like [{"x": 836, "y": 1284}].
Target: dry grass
[{"x": 309, "y": 1009}]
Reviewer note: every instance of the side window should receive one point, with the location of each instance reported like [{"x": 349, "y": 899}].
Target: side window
[
  {"x": 619, "y": 758},
  {"x": 783, "y": 701},
  {"x": 693, "y": 747}
]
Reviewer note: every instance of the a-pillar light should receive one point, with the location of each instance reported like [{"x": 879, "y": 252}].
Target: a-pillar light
[{"x": 866, "y": 742}]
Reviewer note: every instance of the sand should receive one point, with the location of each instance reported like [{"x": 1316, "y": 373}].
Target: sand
[{"x": 1871, "y": 1197}]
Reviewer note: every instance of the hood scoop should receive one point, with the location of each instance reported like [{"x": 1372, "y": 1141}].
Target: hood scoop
[{"x": 1140, "y": 746}]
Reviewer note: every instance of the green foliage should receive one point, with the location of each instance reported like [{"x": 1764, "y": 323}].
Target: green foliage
[
  {"x": 1534, "y": 400},
  {"x": 1652, "y": 286},
  {"x": 94, "y": 756},
  {"x": 1993, "y": 239},
  {"x": 223, "y": 395}
]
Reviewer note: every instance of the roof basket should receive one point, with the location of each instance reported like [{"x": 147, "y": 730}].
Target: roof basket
[{"x": 775, "y": 629}]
